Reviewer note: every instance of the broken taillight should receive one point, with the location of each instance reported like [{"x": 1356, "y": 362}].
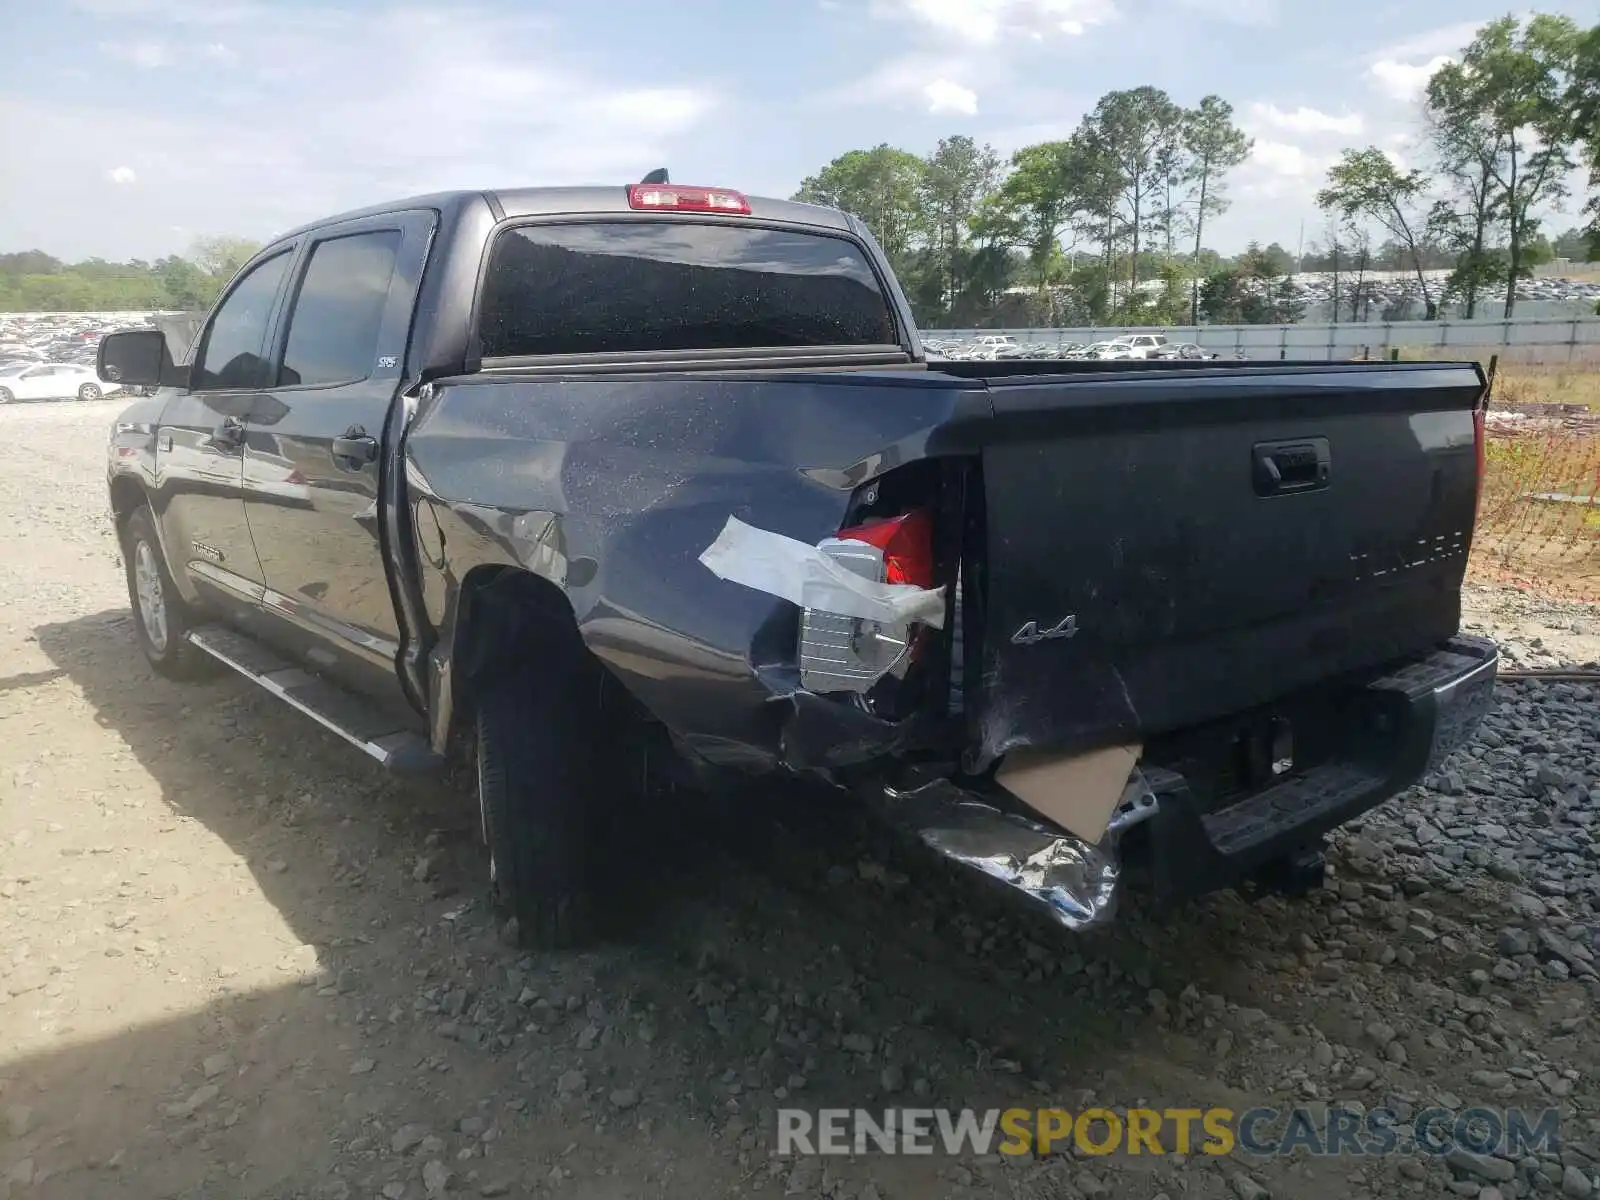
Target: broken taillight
[
  {"x": 906, "y": 542},
  {"x": 849, "y": 654}
]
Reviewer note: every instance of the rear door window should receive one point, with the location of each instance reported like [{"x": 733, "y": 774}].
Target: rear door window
[
  {"x": 333, "y": 331},
  {"x": 608, "y": 287}
]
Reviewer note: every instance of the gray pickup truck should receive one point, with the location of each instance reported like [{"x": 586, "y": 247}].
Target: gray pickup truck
[{"x": 595, "y": 483}]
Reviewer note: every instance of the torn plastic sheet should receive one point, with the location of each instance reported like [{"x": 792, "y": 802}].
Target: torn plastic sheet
[
  {"x": 1075, "y": 881},
  {"x": 804, "y": 575}
]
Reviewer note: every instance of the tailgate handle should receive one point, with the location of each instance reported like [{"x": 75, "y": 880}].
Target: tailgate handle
[{"x": 1280, "y": 468}]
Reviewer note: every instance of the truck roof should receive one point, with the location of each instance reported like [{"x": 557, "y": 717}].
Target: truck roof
[{"x": 587, "y": 201}]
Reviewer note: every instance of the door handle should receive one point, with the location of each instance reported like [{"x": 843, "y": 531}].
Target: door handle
[
  {"x": 230, "y": 435},
  {"x": 355, "y": 448},
  {"x": 1281, "y": 468}
]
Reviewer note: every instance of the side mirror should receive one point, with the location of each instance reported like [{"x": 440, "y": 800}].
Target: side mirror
[{"x": 135, "y": 358}]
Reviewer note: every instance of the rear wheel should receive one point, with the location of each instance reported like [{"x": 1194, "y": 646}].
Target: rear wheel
[
  {"x": 545, "y": 792},
  {"x": 89, "y": 391},
  {"x": 161, "y": 620}
]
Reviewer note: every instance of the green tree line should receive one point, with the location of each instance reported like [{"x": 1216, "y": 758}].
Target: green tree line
[
  {"x": 33, "y": 281},
  {"x": 1109, "y": 223}
]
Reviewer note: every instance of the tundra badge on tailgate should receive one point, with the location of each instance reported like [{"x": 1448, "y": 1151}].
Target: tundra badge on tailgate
[{"x": 1030, "y": 633}]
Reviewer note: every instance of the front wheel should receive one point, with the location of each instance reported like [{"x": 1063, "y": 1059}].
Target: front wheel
[
  {"x": 161, "y": 620},
  {"x": 5, "y": 396},
  {"x": 89, "y": 391}
]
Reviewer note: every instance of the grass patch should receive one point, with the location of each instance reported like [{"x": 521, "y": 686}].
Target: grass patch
[
  {"x": 1545, "y": 546},
  {"x": 1519, "y": 383},
  {"x": 1540, "y": 464}
]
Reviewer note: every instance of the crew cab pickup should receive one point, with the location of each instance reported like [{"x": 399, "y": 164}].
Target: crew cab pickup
[{"x": 596, "y": 482}]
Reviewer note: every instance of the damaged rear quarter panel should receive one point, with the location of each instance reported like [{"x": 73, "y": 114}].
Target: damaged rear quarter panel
[{"x": 611, "y": 488}]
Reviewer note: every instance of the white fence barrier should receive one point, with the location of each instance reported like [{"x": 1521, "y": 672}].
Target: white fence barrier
[{"x": 1575, "y": 340}]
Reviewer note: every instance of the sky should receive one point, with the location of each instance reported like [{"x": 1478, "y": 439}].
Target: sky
[{"x": 129, "y": 128}]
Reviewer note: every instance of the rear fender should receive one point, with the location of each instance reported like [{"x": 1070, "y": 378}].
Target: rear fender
[{"x": 610, "y": 489}]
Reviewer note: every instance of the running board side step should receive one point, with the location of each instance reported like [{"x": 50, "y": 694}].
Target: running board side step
[{"x": 358, "y": 722}]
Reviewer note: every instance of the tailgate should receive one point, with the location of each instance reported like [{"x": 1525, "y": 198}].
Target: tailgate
[{"x": 1160, "y": 550}]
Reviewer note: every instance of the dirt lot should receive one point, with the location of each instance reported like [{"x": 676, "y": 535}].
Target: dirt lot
[{"x": 236, "y": 962}]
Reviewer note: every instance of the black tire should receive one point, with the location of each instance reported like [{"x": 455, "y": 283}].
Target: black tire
[
  {"x": 5, "y": 396},
  {"x": 89, "y": 391},
  {"x": 546, "y": 793},
  {"x": 164, "y": 641}
]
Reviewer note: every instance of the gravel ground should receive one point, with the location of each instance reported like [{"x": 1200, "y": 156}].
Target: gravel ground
[{"x": 235, "y": 962}]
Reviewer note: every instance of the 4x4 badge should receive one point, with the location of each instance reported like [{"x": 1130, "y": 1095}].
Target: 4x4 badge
[{"x": 1030, "y": 633}]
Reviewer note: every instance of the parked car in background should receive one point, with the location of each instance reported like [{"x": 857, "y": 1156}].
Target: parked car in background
[
  {"x": 1107, "y": 350},
  {"x": 1141, "y": 345},
  {"x": 1184, "y": 350},
  {"x": 50, "y": 381},
  {"x": 60, "y": 339}
]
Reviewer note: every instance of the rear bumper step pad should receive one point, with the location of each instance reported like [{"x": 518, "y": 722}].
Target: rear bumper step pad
[{"x": 1421, "y": 713}]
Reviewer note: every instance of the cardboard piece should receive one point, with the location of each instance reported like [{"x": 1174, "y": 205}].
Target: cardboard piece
[{"x": 1079, "y": 792}]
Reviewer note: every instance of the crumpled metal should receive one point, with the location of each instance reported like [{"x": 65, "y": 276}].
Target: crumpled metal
[{"x": 1075, "y": 882}]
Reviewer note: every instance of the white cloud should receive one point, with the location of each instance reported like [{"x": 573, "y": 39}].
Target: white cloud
[
  {"x": 1405, "y": 81},
  {"x": 957, "y": 50},
  {"x": 1401, "y": 69},
  {"x": 984, "y": 21},
  {"x": 336, "y": 121},
  {"x": 655, "y": 108},
  {"x": 145, "y": 54},
  {"x": 946, "y": 97},
  {"x": 1304, "y": 120},
  {"x": 219, "y": 52},
  {"x": 1430, "y": 43},
  {"x": 1279, "y": 177},
  {"x": 122, "y": 175},
  {"x": 902, "y": 81},
  {"x": 1284, "y": 159},
  {"x": 1290, "y": 158},
  {"x": 175, "y": 12},
  {"x": 1238, "y": 12}
]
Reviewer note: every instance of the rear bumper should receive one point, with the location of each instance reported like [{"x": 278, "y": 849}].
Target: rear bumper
[
  {"x": 1396, "y": 728},
  {"x": 1406, "y": 724}
]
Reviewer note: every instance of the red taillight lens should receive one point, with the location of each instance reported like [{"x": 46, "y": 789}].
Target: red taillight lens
[
  {"x": 906, "y": 542},
  {"x": 673, "y": 198}
]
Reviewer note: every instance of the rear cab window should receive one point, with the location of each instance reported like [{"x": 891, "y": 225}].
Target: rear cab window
[{"x": 640, "y": 286}]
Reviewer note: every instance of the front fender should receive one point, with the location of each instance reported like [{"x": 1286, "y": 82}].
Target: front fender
[{"x": 131, "y": 456}]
